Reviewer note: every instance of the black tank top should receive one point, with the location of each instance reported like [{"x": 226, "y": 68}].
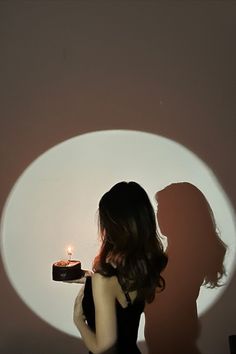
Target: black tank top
[{"x": 127, "y": 321}]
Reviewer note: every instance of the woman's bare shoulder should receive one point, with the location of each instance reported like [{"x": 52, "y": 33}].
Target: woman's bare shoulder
[{"x": 103, "y": 283}]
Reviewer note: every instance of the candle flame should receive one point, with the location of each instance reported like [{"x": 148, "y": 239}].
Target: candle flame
[{"x": 69, "y": 250}]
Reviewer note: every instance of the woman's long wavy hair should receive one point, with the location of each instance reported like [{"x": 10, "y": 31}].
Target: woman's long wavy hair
[{"x": 131, "y": 247}]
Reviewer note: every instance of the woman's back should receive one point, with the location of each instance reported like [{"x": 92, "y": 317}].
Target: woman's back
[{"x": 128, "y": 312}]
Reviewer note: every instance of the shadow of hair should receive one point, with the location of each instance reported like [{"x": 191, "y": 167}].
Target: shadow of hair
[{"x": 196, "y": 258}]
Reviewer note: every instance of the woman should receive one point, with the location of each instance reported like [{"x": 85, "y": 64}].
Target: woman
[{"x": 127, "y": 272}]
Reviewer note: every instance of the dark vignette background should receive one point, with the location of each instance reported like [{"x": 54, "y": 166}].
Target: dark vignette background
[{"x": 70, "y": 67}]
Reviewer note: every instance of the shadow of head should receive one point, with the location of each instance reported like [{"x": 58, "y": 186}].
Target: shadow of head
[{"x": 186, "y": 218}]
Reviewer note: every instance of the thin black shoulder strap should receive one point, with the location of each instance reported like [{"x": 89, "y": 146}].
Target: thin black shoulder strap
[{"x": 128, "y": 298}]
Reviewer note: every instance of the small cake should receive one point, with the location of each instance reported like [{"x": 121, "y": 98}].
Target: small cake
[{"x": 67, "y": 270}]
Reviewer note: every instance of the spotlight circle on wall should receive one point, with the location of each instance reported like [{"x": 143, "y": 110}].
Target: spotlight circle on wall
[{"x": 53, "y": 205}]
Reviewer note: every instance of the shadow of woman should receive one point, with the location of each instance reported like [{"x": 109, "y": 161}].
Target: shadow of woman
[{"x": 196, "y": 255}]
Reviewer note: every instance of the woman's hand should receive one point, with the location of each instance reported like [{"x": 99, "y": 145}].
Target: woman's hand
[
  {"x": 78, "y": 315},
  {"x": 87, "y": 273}
]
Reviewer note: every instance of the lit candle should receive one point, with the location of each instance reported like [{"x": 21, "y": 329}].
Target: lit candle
[{"x": 69, "y": 252}]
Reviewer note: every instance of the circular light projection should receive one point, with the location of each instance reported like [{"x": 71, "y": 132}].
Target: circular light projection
[{"x": 53, "y": 206}]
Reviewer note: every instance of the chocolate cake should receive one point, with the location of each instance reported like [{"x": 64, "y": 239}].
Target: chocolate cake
[{"x": 67, "y": 270}]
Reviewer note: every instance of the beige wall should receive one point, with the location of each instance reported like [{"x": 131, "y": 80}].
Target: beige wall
[{"x": 69, "y": 67}]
